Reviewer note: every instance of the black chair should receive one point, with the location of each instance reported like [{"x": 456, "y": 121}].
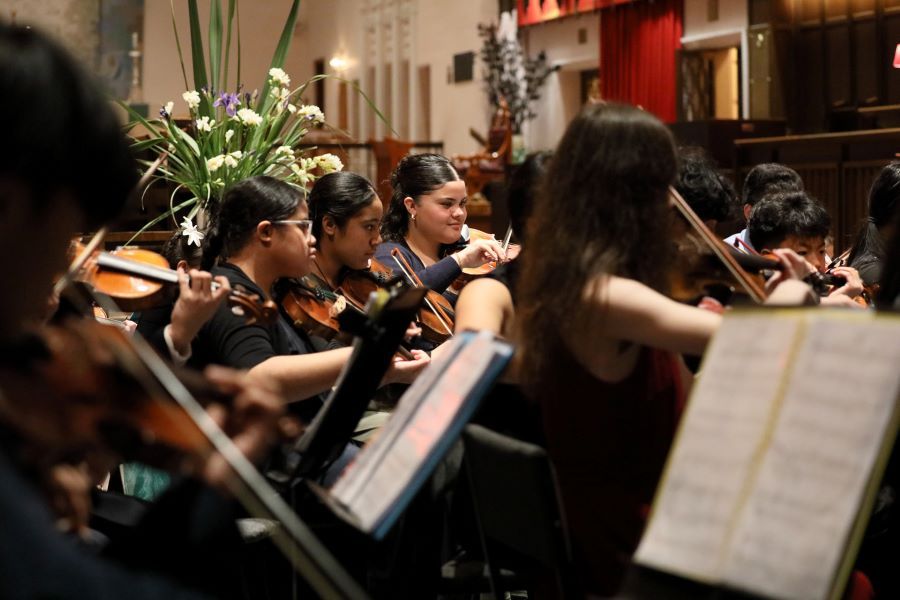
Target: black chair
[{"x": 520, "y": 520}]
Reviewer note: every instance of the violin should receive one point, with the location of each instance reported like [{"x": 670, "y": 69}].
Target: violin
[
  {"x": 137, "y": 279},
  {"x": 469, "y": 235},
  {"x": 731, "y": 271},
  {"x": 312, "y": 307},
  {"x": 317, "y": 310},
  {"x": 436, "y": 315}
]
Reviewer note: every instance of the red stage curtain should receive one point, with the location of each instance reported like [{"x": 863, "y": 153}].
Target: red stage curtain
[{"x": 638, "y": 42}]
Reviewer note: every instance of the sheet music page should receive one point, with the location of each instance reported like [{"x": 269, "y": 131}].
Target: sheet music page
[
  {"x": 395, "y": 461},
  {"x": 795, "y": 526},
  {"x": 721, "y": 435},
  {"x": 354, "y": 479}
]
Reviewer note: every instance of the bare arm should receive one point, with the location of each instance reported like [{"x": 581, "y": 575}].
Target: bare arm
[
  {"x": 303, "y": 375},
  {"x": 638, "y": 314},
  {"x": 300, "y": 376},
  {"x": 484, "y": 304}
]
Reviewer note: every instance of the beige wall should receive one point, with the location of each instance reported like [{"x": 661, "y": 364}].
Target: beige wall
[
  {"x": 560, "y": 99},
  {"x": 261, "y": 24},
  {"x": 442, "y": 30}
]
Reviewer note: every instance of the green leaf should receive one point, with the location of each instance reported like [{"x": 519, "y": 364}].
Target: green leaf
[
  {"x": 178, "y": 45},
  {"x": 169, "y": 213},
  {"x": 215, "y": 42},
  {"x": 231, "y": 8},
  {"x": 281, "y": 50},
  {"x": 200, "y": 80}
]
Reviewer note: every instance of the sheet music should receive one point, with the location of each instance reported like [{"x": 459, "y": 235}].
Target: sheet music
[
  {"x": 393, "y": 460},
  {"x": 721, "y": 434},
  {"x": 795, "y": 525},
  {"x": 355, "y": 478}
]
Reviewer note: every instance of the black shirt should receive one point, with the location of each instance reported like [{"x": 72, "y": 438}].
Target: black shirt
[{"x": 227, "y": 339}]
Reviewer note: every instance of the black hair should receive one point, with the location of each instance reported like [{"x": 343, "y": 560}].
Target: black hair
[
  {"x": 415, "y": 175},
  {"x": 339, "y": 195},
  {"x": 883, "y": 210},
  {"x": 710, "y": 194},
  {"x": 888, "y": 295},
  {"x": 243, "y": 206},
  {"x": 61, "y": 133},
  {"x": 177, "y": 249},
  {"x": 524, "y": 183},
  {"x": 770, "y": 178},
  {"x": 781, "y": 215}
]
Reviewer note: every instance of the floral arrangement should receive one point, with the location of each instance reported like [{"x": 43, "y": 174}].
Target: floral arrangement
[{"x": 231, "y": 136}]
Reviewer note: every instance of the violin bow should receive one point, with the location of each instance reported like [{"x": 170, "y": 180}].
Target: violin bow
[
  {"x": 414, "y": 280},
  {"x": 507, "y": 237},
  {"x": 753, "y": 289}
]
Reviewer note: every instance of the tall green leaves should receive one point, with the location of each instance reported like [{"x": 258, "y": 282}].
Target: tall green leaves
[{"x": 284, "y": 42}]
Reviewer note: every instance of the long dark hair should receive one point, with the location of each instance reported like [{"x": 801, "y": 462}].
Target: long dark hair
[
  {"x": 415, "y": 175},
  {"x": 339, "y": 195},
  {"x": 883, "y": 207},
  {"x": 241, "y": 209},
  {"x": 602, "y": 210}
]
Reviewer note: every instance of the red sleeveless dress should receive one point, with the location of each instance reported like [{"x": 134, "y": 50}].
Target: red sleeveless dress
[{"x": 608, "y": 443}]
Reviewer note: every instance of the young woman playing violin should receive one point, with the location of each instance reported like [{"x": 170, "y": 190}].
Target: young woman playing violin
[
  {"x": 424, "y": 220},
  {"x": 598, "y": 353},
  {"x": 260, "y": 234}
]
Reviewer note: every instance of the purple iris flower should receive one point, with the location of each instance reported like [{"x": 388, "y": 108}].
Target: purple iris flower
[{"x": 229, "y": 101}]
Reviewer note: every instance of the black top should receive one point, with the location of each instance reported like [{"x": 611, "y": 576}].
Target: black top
[
  {"x": 870, "y": 260},
  {"x": 226, "y": 339},
  {"x": 437, "y": 277}
]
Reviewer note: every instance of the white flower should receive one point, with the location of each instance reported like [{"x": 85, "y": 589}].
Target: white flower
[
  {"x": 279, "y": 76},
  {"x": 329, "y": 163},
  {"x": 307, "y": 164},
  {"x": 194, "y": 235},
  {"x": 231, "y": 160},
  {"x": 291, "y": 108},
  {"x": 215, "y": 163},
  {"x": 169, "y": 107},
  {"x": 280, "y": 93},
  {"x": 192, "y": 99},
  {"x": 205, "y": 124},
  {"x": 248, "y": 117},
  {"x": 284, "y": 152},
  {"x": 228, "y": 135},
  {"x": 312, "y": 112},
  {"x": 302, "y": 176}
]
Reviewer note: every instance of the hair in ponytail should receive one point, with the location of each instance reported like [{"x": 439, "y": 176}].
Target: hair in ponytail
[
  {"x": 415, "y": 175},
  {"x": 242, "y": 207}
]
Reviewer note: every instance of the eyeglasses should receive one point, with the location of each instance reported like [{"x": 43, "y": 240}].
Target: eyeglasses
[{"x": 305, "y": 225}]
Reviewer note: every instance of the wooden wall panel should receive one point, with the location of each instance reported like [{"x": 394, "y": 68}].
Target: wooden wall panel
[
  {"x": 837, "y": 57},
  {"x": 866, "y": 62},
  {"x": 808, "y": 101},
  {"x": 858, "y": 178}
]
